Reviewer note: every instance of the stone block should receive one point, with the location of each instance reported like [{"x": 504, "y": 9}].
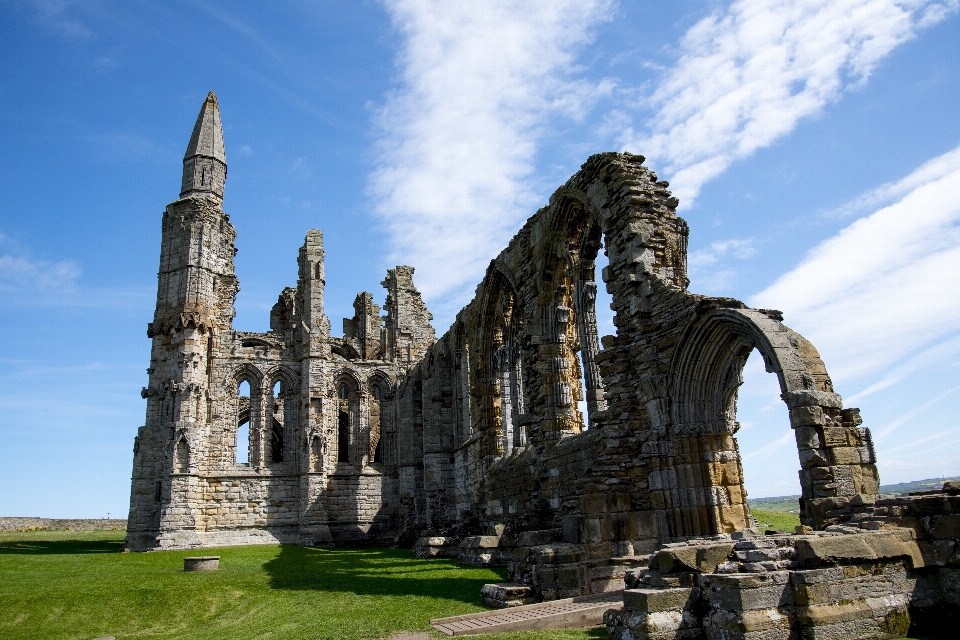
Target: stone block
[
  {"x": 812, "y": 552},
  {"x": 559, "y": 554},
  {"x": 507, "y": 594},
  {"x": 702, "y": 558},
  {"x": 764, "y": 624},
  {"x": 945, "y": 526},
  {"x": 201, "y": 563},
  {"x": 813, "y": 458},
  {"x": 572, "y": 529},
  {"x": 807, "y": 437},
  {"x": 949, "y": 579},
  {"x": 535, "y": 538},
  {"x": 844, "y": 455},
  {"x": 806, "y": 416},
  {"x": 738, "y": 599},
  {"x": 653, "y": 600}
]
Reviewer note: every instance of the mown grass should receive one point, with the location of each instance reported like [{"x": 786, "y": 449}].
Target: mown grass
[
  {"x": 76, "y": 585},
  {"x": 776, "y": 520}
]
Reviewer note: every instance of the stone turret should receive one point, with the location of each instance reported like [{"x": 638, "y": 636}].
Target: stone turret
[
  {"x": 205, "y": 162},
  {"x": 196, "y": 290}
]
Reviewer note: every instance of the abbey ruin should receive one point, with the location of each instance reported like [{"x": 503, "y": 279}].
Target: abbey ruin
[{"x": 471, "y": 445}]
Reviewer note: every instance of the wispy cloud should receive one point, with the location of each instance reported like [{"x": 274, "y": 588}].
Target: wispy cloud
[
  {"x": 781, "y": 442},
  {"x": 459, "y": 135},
  {"x": 884, "y": 289},
  {"x": 748, "y": 74},
  {"x": 913, "y": 413},
  {"x": 20, "y": 273},
  {"x": 709, "y": 270}
]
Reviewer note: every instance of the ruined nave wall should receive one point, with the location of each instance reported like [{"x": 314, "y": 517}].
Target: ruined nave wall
[{"x": 659, "y": 460}]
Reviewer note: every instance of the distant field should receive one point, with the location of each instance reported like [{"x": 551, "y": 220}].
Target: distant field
[
  {"x": 791, "y": 504},
  {"x": 75, "y": 585},
  {"x": 775, "y": 520}
]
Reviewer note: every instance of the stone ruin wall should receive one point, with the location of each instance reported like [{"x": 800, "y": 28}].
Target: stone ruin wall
[
  {"x": 659, "y": 460},
  {"x": 323, "y": 446},
  {"x": 473, "y": 445}
]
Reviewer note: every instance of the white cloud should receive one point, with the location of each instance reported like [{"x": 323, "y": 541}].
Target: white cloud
[
  {"x": 884, "y": 290},
  {"x": 706, "y": 272},
  {"x": 780, "y": 443},
  {"x": 21, "y": 274},
  {"x": 747, "y": 75},
  {"x": 910, "y": 415},
  {"x": 459, "y": 136}
]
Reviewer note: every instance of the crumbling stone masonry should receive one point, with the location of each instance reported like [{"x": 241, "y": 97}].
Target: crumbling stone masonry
[
  {"x": 472, "y": 445},
  {"x": 319, "y": 464}
]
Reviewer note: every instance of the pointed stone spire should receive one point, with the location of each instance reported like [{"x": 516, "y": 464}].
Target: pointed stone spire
[{"x": 205, "y": 162}]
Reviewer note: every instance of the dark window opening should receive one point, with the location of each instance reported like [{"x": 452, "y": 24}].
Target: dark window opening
[
  {"x": 343, "y": 437},
  {"x": 276, "y": 441}
]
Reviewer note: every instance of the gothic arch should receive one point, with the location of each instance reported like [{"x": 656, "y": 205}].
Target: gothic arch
[
  {"x": 711, "y": 354},
  {"x": 381, "y": 379},
  {"x": 347, "y": 391},
  {"x": 283, "y": 374},
  {"x": 500, "y": 354},
  {"x": 382, "y": 428},
  {"x": 705, "y": 492},
  {"x": 249, "y": 373},
  {"x": 181, "y": 453},
  {"x": 351, "y": 377}
]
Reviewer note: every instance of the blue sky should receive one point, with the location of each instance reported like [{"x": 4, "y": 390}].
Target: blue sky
[{"x": 814, "y": 145}]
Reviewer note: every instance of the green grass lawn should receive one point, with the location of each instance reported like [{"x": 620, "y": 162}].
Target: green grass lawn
[
  {"x": 76, "y": 584},
  {"x": 776, "y": 520}
]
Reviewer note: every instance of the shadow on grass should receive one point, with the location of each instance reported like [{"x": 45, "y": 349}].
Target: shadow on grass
[
  {"x": 64, "y": 547},
  {"x": 381, "y": 572}
]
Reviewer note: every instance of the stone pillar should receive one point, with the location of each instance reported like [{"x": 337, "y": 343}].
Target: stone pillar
[{"x": 586, "y": 296}]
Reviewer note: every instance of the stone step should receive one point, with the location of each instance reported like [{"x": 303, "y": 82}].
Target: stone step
[
  {"x": 505, "y": 595},
  {"x": 569, "y": 613}
]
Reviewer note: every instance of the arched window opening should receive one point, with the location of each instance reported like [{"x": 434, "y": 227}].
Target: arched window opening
[
  {"x": 765, "y": 440},
  {"x": 506, "y": 364},
  {"x": 277, "y": 424},
  {"x": 593, "y": 315},
  {"x": 345, "y": 420},
  {"x": 376, "y": 441},
  {"x": 242, "y": 444},
  {"x": 182, "y": 457}
]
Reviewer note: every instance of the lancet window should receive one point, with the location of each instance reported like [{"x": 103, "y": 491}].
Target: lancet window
[
  {"x": 506, "y": 364},
  {"x": 244, "y": 411},
  {"x": 347, "y": 419},
  {"x": 277, "y": 423}
]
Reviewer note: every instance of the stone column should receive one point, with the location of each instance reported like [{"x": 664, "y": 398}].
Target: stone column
[{"x": 586, "y": 296}]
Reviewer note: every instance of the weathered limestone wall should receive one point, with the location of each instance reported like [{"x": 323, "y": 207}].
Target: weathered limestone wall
[
  {"x": 660, "y": 460},
  {"x": 320, "y": 461}
]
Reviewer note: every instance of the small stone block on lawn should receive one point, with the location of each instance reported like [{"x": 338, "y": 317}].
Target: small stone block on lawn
[{"x": 201, "y": 563}]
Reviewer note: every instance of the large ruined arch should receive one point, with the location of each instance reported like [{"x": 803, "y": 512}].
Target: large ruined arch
[{"x": 703, "y": 491}]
